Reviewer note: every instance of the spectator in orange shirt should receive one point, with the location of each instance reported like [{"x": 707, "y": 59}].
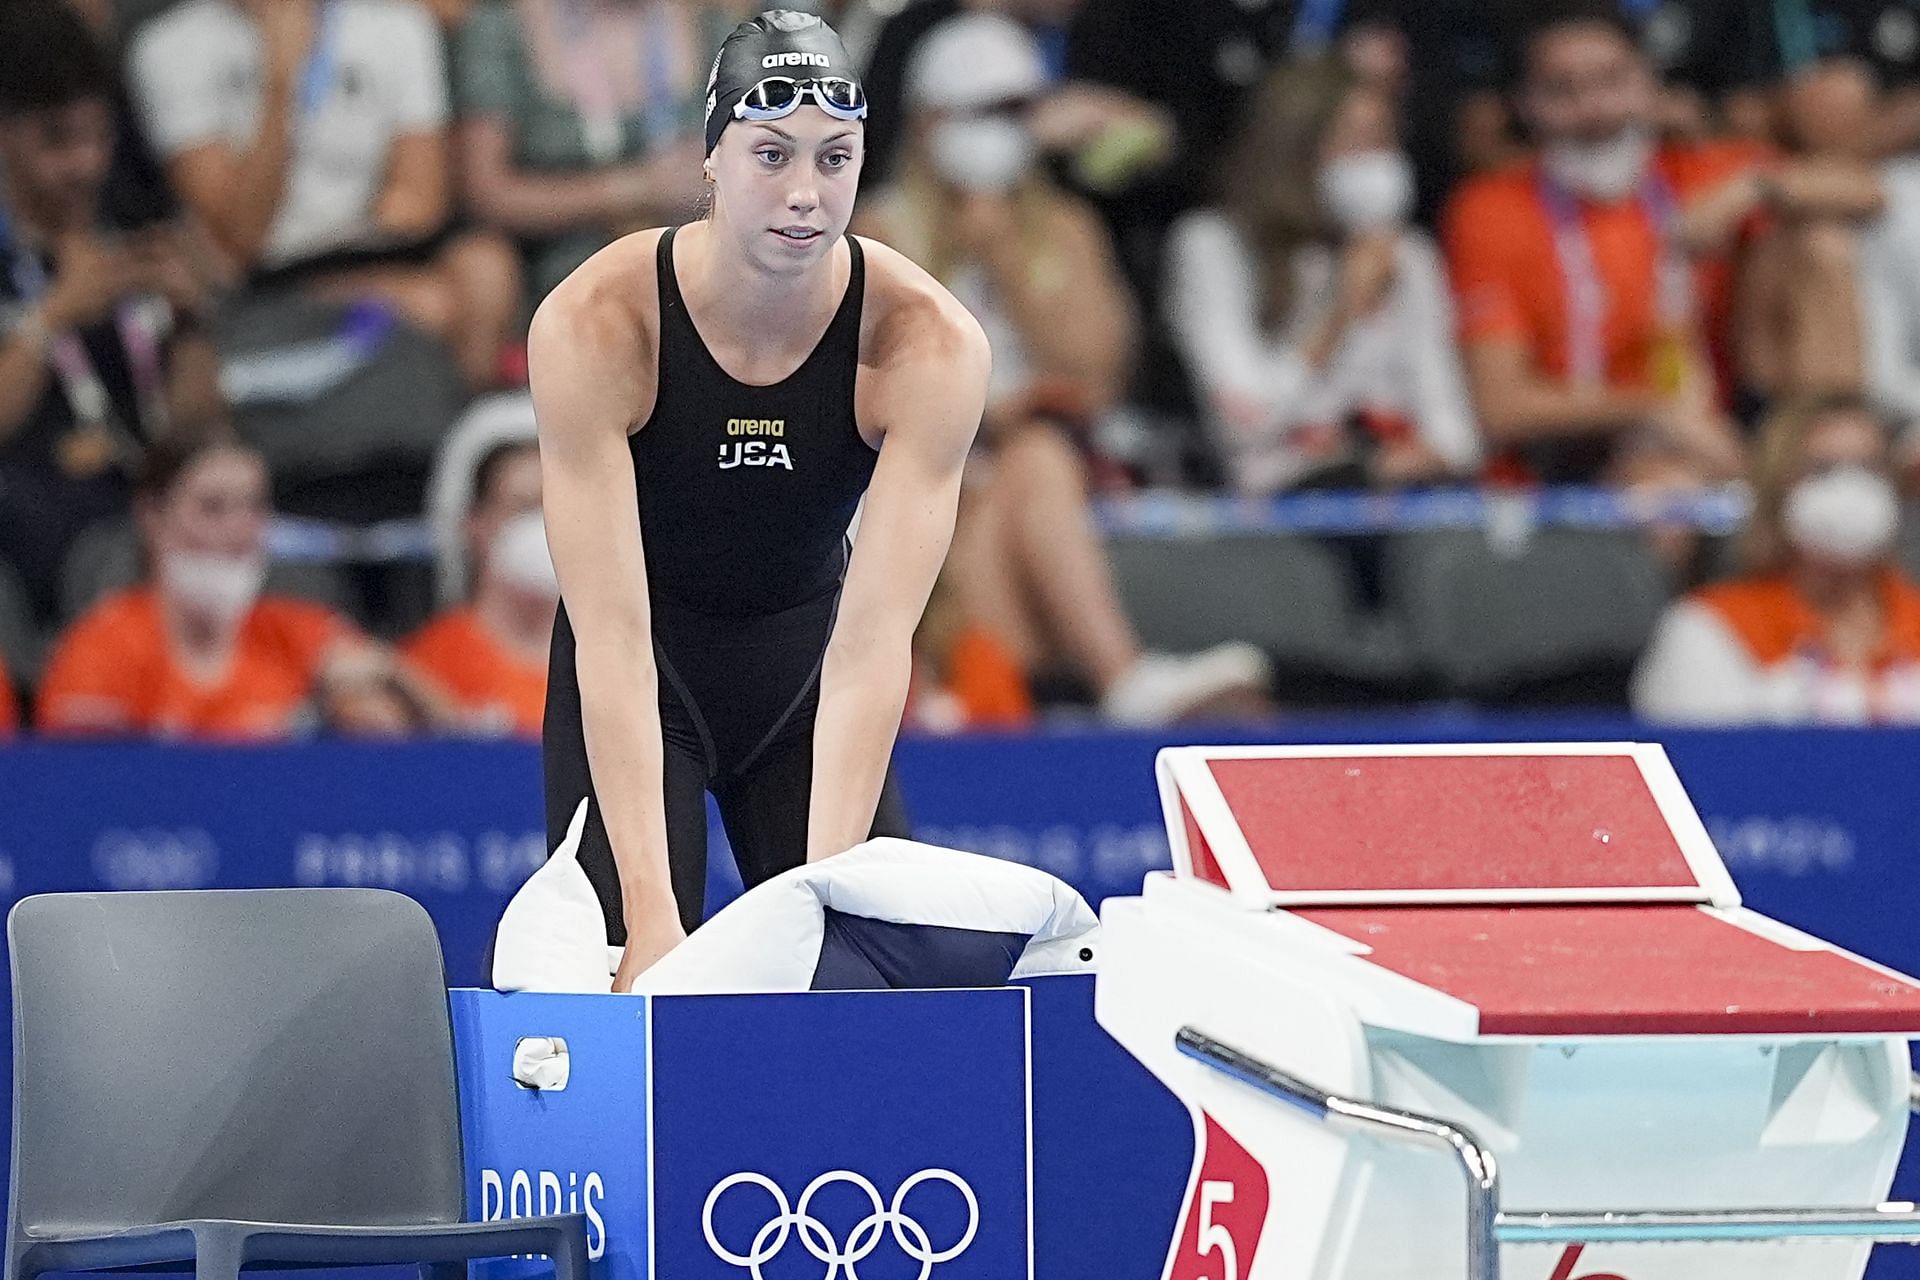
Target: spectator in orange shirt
[
  {"x": 197, "y": 651},
  {"x": 1823, "y": 628},
  {"x": 1593, "y": 283},
  {"x": 490, "y": 653}
]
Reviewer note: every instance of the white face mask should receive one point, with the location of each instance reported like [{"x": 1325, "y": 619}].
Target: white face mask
[
  {"x": 987, "y": 154},
  {"x": 1849, "y": 514},
  {"x": 221, "y": 587},
  {"x": 519, "y": 556},
  {"x": 1609, "y": 170},
  {"x": 1367, "y": 191}
]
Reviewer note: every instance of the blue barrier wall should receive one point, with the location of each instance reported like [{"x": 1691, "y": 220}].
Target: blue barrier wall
[{"x": 1821, "y": 827}]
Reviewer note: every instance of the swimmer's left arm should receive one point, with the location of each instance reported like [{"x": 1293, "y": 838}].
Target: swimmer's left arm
[{"x": 935, "y": 390}]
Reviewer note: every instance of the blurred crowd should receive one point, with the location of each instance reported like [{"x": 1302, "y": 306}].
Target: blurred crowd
[{"x": 278, "y": 256}]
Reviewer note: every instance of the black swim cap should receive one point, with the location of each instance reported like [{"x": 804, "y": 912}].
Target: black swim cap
[{"x": 779, "y": 42}]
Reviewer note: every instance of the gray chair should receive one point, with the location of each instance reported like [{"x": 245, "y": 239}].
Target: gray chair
[
  {"x": 1491, "y": 622},
  {"x": 207, "y": 1080},
  {"x": 1293, "y": 597}
]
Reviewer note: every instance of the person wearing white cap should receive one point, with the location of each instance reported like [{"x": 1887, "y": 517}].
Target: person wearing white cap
[
  {"x": 973, "y": 206},
  {"x": 1034, "y": 265}
]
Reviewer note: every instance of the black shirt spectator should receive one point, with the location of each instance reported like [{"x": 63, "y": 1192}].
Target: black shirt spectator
[
  {"x": 96, "y": 301},
  {"x": 1200, "y": 68}
]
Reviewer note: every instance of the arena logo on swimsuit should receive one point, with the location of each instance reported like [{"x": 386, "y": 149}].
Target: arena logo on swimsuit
[{"x": 513, "y": 1195}]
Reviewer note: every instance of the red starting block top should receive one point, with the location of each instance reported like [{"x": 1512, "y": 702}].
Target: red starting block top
[
  {"x": 1631, "y": 970},
  {"x": 1439, "y": 824}
]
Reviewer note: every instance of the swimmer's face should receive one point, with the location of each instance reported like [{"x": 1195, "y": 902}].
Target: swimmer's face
[
  {"x": 784, "y": 189},
  {"x": 218, "y": 507},
  {"x": 1586, "y": 83}
]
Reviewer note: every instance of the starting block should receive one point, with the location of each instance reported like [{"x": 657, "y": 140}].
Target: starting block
[{"x": 1532, "y": 958}]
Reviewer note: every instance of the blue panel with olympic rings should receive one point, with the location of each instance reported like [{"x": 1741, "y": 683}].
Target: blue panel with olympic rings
[{"x": 855, "y": 1136}]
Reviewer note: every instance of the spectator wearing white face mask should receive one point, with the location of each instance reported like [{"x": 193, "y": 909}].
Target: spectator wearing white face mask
[
  {"x": 1595, "y": 281},
  {"x": 1034, "y": 264},
  {"x": 973, "y": 206},
  {"x": 1315, "y": 322},
  {"x": 490, "y": 653},
  {"x": 1823, "y": 629},
  {"x": 197, "y": 650}
]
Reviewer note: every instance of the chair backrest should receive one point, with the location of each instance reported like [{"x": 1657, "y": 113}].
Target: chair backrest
[
  {"x": 329, "y": 391},
  {"x": 1289, "y": 596},
  {"x": 1294, "y": 597},
  {"x": 270, "y": 1055},
  {"x": 1570, "y": 601}
]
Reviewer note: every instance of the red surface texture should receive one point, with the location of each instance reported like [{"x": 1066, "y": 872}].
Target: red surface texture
[
  {"x": 1625, "y": 970},
  {"x": 1452, "y": 822}
]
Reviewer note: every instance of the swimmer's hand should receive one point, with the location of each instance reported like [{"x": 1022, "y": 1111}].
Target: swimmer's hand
[{"x": 647, "y": 941}]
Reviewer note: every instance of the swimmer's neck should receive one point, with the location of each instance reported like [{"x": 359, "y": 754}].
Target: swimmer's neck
[{"x": 730, "y": 293}]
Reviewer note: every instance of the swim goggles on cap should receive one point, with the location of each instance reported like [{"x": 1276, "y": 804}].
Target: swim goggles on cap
[{"x": 777, "y": 97}]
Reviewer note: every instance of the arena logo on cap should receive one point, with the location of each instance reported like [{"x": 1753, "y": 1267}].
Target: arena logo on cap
[{"x": 795, "y": 60}]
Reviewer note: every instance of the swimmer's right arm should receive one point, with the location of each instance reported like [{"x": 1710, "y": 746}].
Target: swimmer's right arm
[{"x": 586, "y": 356}]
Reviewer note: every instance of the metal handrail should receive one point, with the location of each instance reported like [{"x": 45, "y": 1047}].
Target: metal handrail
[
  {"x": 1892, "y": 1223},
  {"x": 1475, "y": 1160},
  {"x": 1487, "y": 1228}
]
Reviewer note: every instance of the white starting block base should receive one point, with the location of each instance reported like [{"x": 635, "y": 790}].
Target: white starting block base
[
  {"x": 1564, "y": 972},
  {"x": 1676, "y": 1122}
]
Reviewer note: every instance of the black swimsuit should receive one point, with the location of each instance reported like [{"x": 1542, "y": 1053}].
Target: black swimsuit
[{"x": 746, "y": 494}]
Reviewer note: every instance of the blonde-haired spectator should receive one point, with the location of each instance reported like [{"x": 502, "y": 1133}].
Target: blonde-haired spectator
[
  {"x": 1315, "y": 322},
  {"x": 974, "y": 206}
]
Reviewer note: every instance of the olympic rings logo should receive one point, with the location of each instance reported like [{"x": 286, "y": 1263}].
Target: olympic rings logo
[{"x": 861, "y": 1241}]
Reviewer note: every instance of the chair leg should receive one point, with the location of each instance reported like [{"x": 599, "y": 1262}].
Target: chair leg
[
  {"x": 217, "y": 1255},
  {"x": 569, "y": 1255}
]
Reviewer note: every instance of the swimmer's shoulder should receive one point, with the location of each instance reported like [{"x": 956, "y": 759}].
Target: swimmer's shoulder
[
  {"x": 909, "y": 317},
  {"x": 603, "y": 322},
  {"x": 924, "y": 360}
]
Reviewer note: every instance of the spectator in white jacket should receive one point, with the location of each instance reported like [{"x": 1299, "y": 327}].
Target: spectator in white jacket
[
  {"x": 1315, "y": 322},
  {"x": 1823, "y": 628}
]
